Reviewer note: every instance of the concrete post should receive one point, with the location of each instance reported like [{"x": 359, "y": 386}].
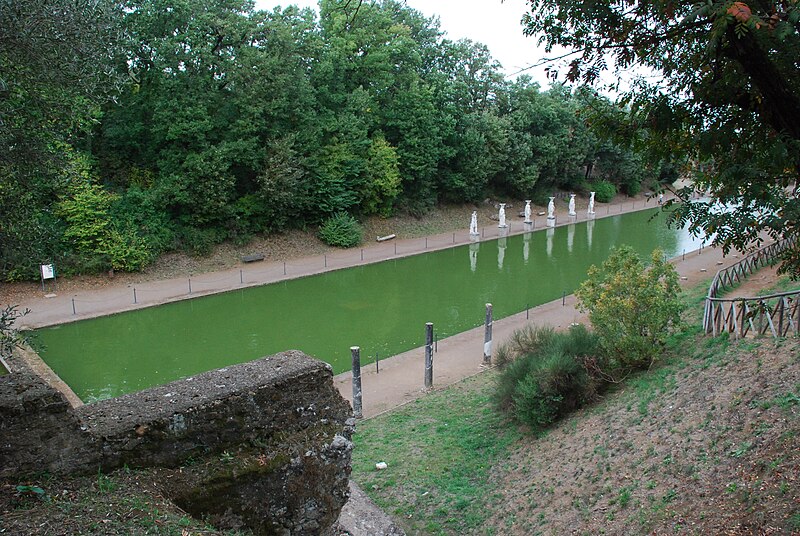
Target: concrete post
[
  {"x": 355, "y": 352},
  {"x": 429, "y": 355},
  {"x": 487, "y": 339}
]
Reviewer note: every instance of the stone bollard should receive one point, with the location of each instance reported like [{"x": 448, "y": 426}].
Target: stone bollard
[
  {"x": 487, "y": 339},
  {"x": 355, "y": 352}
]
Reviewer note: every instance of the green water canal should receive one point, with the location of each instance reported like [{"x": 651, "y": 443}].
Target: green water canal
[{"x": 380, "y": 307}]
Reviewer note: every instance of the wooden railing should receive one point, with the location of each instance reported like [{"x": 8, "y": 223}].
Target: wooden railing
[{"x": 777, "y": 313}]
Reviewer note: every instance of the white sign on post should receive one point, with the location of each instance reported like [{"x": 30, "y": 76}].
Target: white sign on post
[{"x": 48, "y": 272}]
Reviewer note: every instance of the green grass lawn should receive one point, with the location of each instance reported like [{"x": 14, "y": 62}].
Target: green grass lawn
[{"x": 440, "y": 450}]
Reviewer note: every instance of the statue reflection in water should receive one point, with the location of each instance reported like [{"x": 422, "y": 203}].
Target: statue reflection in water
[
  {"x": 526, "y": 247},
  {"x": 473, "y": 256},
  {"x": 570, "y": 236}
]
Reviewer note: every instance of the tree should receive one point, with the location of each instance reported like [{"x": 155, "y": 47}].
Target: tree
[
  {"x": 726, "y": 103},
  {"x": 381, "y": 184},
  {"x": 107, "y": 243},
  {"x": 56, "y": 69},
  {"x": 10, "y": 337},
  {"x": 632, "y": 307}
]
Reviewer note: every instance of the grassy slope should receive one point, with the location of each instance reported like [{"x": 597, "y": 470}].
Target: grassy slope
[
  {"x": 440, "y": 451},
  {"x": 704, "y": 443}
]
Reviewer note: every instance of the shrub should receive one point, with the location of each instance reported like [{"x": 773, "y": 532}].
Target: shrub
[
  {"x": 200, "y": 242},
  {"x": 510, "y": 378},
  {"x": 604, "y": 191},
  {"x": 527, "y": 340},
  {"x": 100, "y": 240},
  {"x": 544, "y": 375},
  {"x": 540, "y": 198},
  {"x": 577, "y": 341},
  {"x": 632, "y": 308},
  {"x": 127, "y": 251},
  {"x": 632, "y": 188},
  {"x": 555, "y": 386},
  {"x": 341, "y": 230},
  {"x": 142, "y": 212}
]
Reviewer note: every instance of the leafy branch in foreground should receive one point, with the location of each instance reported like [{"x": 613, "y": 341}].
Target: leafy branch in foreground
[
  {"x": 723, "y": 101},
  {"x": 9, "y": 335}
]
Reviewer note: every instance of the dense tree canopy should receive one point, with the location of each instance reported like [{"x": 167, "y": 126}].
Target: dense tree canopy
[
  {"x": 726, "y": 100},
  {"x": 56, "y": 67},
  {"x": 180, "y": 124}
]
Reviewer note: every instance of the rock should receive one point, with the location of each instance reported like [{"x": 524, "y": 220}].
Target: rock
[{"x": 362, "y": 517}]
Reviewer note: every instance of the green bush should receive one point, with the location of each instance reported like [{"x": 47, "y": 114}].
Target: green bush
[
  {"x": 604, "y": 191},
  {"x": 99, "y": 239},
  {"x": 142, "y": 212},
  {"x": 127, "y": 251},
  {"x": 540, "y": 198},
  {"x": 341, "y": 231},
  {"x": 526, "y": 340},
  {"x": 633, "y": 308},
  {"x": 633, "y": 187},
  {"x": 544, "y": 375},
  {"x": 556, "y": 385},
  {"x": 577, "y": 341},
  {"x": 200, "y": 242}
]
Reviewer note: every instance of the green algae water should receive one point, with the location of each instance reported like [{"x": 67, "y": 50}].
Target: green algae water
[{"x": 380, "y": 307}]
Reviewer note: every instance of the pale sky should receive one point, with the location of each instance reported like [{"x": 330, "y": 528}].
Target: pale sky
[{"x": 491, "y": 22}]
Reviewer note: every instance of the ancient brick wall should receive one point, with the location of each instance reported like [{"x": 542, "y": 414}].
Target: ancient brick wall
[{"x": 279, "y": 422}]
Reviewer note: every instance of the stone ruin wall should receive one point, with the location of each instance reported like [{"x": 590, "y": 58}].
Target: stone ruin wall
[{"x": 279, "y": 422}]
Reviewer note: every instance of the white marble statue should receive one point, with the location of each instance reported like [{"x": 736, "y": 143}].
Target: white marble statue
[
  {"x": 502, "y": 216},
  {"x": 473, "y": 224},
  {"x": 551, "y": 209},
  {"x": 591, "y": 202},
  {"x": 572, "y": 205},
  {"x": 527, "y": 211}
]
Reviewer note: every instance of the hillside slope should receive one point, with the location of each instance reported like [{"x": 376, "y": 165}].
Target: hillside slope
[{"x": 706, "y": 445}]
